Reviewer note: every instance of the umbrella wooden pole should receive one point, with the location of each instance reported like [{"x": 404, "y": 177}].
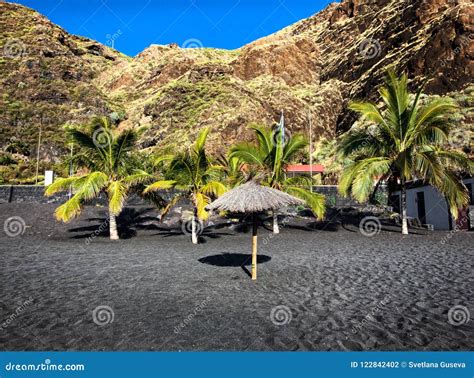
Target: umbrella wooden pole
[{"x": 254, "y": 247}]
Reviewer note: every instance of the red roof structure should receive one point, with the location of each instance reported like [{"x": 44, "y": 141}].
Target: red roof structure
[{"x": 305, "y": 168}]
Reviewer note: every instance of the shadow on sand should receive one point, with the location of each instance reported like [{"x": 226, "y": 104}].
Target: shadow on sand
[
  {"x": 207, "y": 233},
  {"x": 127, "y": 224},
  {"x": 131, "y": 220},
  {"x": 234, "y": 260}
]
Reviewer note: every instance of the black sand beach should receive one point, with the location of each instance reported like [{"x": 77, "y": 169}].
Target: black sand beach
[{"x": 316, "y": 289}]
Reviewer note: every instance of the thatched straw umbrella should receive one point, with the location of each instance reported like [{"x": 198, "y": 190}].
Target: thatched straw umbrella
[{"x": 253, "y": 198}]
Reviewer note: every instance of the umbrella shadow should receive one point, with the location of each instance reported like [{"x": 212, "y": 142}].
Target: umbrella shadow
[{"x": 233, "y": 260}]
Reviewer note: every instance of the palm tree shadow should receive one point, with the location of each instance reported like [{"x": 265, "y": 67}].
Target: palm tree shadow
[
  {"x": 316, "y": 226},
  {"x": 353, "y": 225},
  {"x": 208, "y": 233},
  {"x": 243, "y": 225},
  {"x": 129, "y": 220}
]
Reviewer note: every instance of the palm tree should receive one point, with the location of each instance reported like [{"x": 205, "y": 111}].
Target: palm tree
[
  {"x": 193, "y": 173},
  {"x": 403, "y": 141},
  {"x": 232, "y": 170},
  {"x": 270, "y": 155},
  {"x": 104, "y": 154}
]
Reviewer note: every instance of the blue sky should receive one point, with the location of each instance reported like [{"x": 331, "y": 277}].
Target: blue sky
[{"x": 133, "y": 25}]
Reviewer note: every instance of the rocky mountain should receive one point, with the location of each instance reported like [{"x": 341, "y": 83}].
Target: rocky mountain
[{"x": 311, "y": 69}]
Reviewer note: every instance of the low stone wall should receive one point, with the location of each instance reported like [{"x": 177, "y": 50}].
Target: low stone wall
[
  {"x": 27, "y": 193},
  {"x": 35, "y": 194},
  {"x": 32, "y": 193},
  {"x": 333, "y": 198}
]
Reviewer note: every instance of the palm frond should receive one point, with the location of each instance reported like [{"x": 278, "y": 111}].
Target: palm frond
[
  {"x": 84, "y": 140},
  {"x": 138, "y": 177},
  {"x": 372, "y": 114},
  {"x": 61, "y": 184},
  {"x": 347, "y": 178},
  {"x": 123, "y": 143},
  {"x": 368, "y": 111},
  {"x": 359, "y": 178},
  {"x": 439, "y": 109},
  {"x": 299, "y": 181},
  {"x": 264, "y": 138},
  {"x": 456, "y": 160},
  {"x": 432, "y": 123},
  {"x": 369, "y": 172},
  {"x": 428, "y": 166},
  {"x": 160, "y": 185},
  {"x": 89, "y": 186},
  {"x": 162, "y": 158},
  {"x": 294, "y": 144},
  {"x": 396, "y": 97},
  {"x": 354, "y": 142},
  {"x": 315, "y": 201},
  {"x": 455, "y": 192},
  {"x": 248, "y": 153},
  {"x": 117, "y": 194},
  {"x": 201, "y": 201},
  {"x": 69, "y": 209},
  {"x": 214, "y": 188},
  {"x": 201, "y": 140}
]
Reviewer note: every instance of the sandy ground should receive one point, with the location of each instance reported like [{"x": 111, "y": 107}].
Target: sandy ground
[{"x": 316, "y": 289}]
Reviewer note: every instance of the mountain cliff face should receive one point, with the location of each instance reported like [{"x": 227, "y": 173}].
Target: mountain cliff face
[
  {"x": 46, "y": 79},
  {"x": 311, "y": 69}
]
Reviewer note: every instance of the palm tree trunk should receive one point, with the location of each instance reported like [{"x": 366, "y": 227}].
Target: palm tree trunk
[
  {"x": 404, "y": 209},
  {"x": 276, "y": 229},
  {"x": 194, "y": 236},
  {"x": 113, "y": 227}
]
